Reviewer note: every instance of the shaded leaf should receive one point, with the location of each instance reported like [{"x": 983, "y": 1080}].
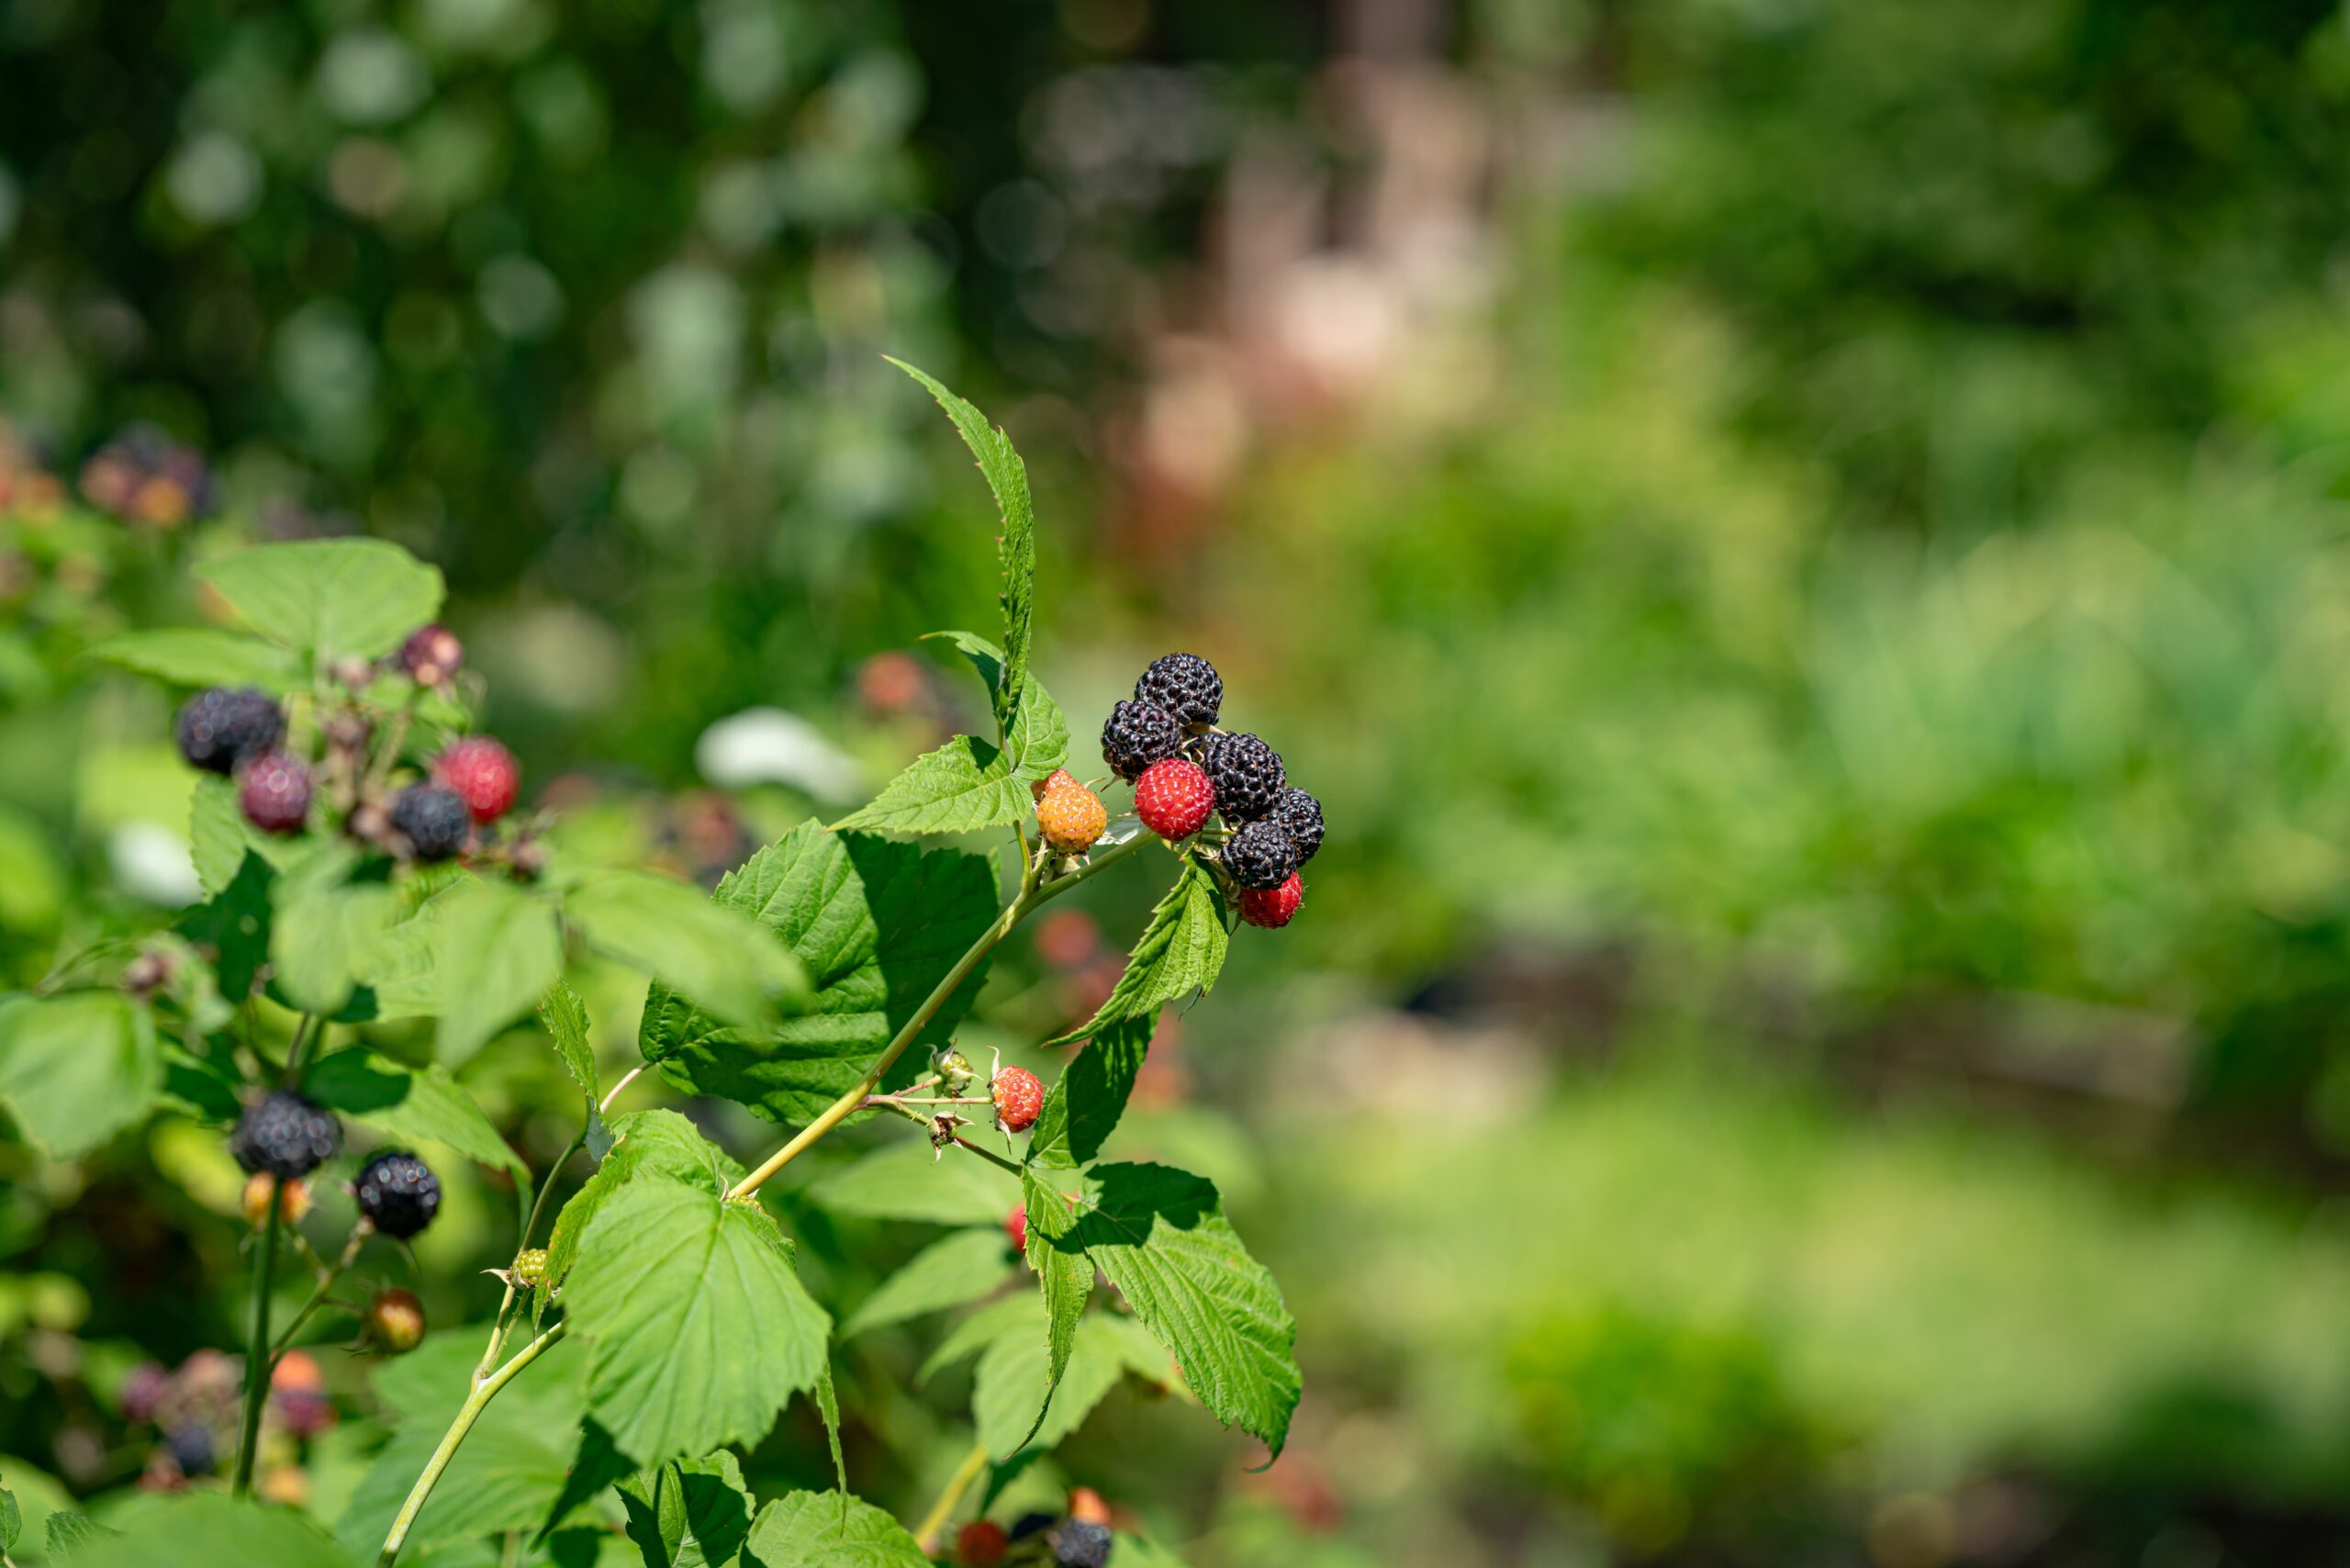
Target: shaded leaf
[
  {"x": 77, "y": 1068},
  {"x": 564, "y": 1017},
  {"x": 407, "y": 1105},
  {"x": 707, "y": 952},
  {"x": 498, "y": 950},
  {"x": 234, "y": 924},
  {"x": 689, "y": 1513},
  {"x": 1064, "y": 1278},
  {"x": 829, "y": 1529},
  {"x": 1085, "y": 1103}
]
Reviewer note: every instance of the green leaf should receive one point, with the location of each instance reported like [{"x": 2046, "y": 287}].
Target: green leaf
[
  {"x": 905, "y": 1180},
  {"x": 964, "y": 786},
  {"x": 512, "y": 1472},
  {"x": 1084, "y": 1104},
  {"x": 874, "y": 926},
  {"x": 829, "y": 1529},
  {"x": 1008, "y": 477},
  {"x": 1181, "y": 950},
  {"x": 70, "y": 1536},
  {"x": 409, "y": 1104},
  {"x": 12, "y": 1520},
  {"x": 498, "y": 950},
  {"x": 698, "y": 1328},
  {"x": 707, "y": 951},
  {"x": 1161, "y": 1237},
  {"x": 662, "y": 1143},
  {"x": 204, "y": 655},
  {"x": 1016, "y": 1401},
  {"x": 565, "y": 1016},
  {"x": 828, "y": 1405},
  {"x": 220, "y": 837},
  {"x": 331, "y": 599},
  {"x": 204, "y": 1530},
  {"x": 327, "y": 934},
  {"x": 1064, "y": 1278},
  {"x": 689, "y": 1513},
  {"x": 1023, "y": 1315},
  {"x": 234, "y": 925},
  {"x": 953, "y": 1269},
  {"x": 1037, "y": 737},
  {"x": 77, "y": 1068}
]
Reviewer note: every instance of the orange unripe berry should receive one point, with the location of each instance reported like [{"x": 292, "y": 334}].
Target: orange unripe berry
[
  {"x": 293, "y": 1199},
  {"x": 1072, "y": 816}
]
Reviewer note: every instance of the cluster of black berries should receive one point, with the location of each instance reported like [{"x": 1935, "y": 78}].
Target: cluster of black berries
[{"x": 1274, "y": 827}]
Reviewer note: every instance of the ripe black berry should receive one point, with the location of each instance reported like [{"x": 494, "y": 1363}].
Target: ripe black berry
[
  {"x": 1247, "y": 774},
  {"x": 398, "y": 1192},
  {"x": 1183, "y": 686},
  {"x": 1259, "y": 854},
  {"x": 1081, "y": 1543},
  {"x": 286, "y": 1136},
  {"x": 434, "y": 820},
  {"x": 227, "y": 726},
  {"x": 1300, "y": 815},
  {"x": 192, "y": 1447},
  {"x": 1138, "y": 735}
]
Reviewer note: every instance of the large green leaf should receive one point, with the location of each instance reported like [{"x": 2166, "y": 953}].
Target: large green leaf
[
  {"x": 499, "y": 949},
  {"x": 204, "y": 655},
  {"x": 1181, "y": 950},
  {"x": 1037, "y": 738},
  {"x": 1084, "y": 1104},
  {"x": 1161, "y": 1237},
  {"x": 829, "y": 1529},
  {"x": 874, "y": 926},
  {"x": 77, "y": 1068},
  {"x": 511, "y": 1471},
  {"x": 207, "y": 1529},
  {"x": 964, "y": 786},
  {"x": 661, "y": 1142},
  {"x": 907, "y": 1181},
  {"x": 327, "y": 934},
  {"x": 331, "y": 599},
  {"x": 409, "y": 1104},
  {"x": 1008, "y": 477},
  {"x": 707, "y": 951},
  {"x": 691, "y": 1513},
  {"x": 698, "y": 1328},
  {"x": 1017, "y": 1403},
  {"x": 955, "y": 1269},
  {"x": 1064, "y": 1278},
  {"x": 565, "y": 1016}
]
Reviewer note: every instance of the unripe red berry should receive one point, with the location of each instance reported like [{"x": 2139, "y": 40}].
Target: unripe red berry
[
  {"x": 1273, "y": 907},
  {"x": 1016, "y": 1226},
  {"x": 431, "y": 654},
  {"x": 980, "y": 1545},
  {"x": 1174, "y": 798},
  {"x": 276, "y": 792},
  {"x": 395, "y": 1321},
  {"x": 1018, "y": 1098},
  {"x": 482, "y": 774}
]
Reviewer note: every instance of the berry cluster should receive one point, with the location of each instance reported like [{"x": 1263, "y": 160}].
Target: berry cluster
[
  {"x": 241, "y": 732},
  {"x": 1184, "y": 770},
  {"x": 142, "y": 475},
  {"x": 1079, "y": 1537}
]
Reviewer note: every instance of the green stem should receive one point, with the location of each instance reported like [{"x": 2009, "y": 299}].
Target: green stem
[
  {"x": 889, "y": 1103},
  {"x": 326, "y": 1282},
  {"x": 1031, "y": 893},
  {"x": 942, "y": 1508},
  {"x": 467, "y": 1413},
  {"x": 529, "y": 1228},
  {"x": 257, "y": 1356}
]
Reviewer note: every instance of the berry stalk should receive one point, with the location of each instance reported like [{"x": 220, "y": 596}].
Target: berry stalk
[
  {"x": 257, "y": 1353},
  {"x": 327, "y": 1278},
  {"x": 925, "y": 1534},
  {"x": 1033, "y": 893}
]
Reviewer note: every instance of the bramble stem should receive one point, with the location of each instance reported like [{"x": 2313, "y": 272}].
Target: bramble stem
[
  {"x": 359, "y": 1235},
  {"x": 529, "y": 1228},
  {"x": 942, "y": 1508},
  {"x": 467, "y": 1413},
  {"x": 1033, "y": 893},
  {"x": 257, "y": 1355}
]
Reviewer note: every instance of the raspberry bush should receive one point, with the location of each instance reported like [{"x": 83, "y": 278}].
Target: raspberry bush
[{"x": 366, "y": 858}]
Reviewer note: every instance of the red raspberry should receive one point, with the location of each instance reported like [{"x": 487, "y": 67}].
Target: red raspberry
[
  {"x": 981, "y": 1544},
  {"x": 1271, "y": 907},
  {"x": 276, "y": 792},
  {"x": 1071, "y": 815},
  {"x": 1173, "y": 798},
  {"x": 1016, "y": 1226},
  {"x": 483, "y": 775},
  {"x": 1018, "y": 1097}
]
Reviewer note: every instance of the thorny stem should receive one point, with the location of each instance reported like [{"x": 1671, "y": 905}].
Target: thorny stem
[
  {"x": 257, "y": 1353},
  {"x": 475, "y": 1403},
  {"x": 949, "y": 1497},
  {"x": 333, "y": 1271},
  {"x": 1033, "y": 893}
]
